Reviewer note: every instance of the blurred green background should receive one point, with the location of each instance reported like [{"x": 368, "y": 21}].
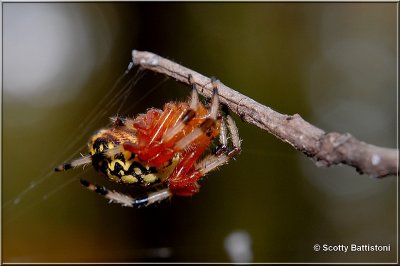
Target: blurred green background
[{"x": 333, "y": 63}]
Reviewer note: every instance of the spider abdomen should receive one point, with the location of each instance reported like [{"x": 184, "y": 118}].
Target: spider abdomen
[{"x": 125, "y": 167}]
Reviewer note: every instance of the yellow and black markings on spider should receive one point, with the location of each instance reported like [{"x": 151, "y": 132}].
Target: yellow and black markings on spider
[{"x": 124, "y": 167}]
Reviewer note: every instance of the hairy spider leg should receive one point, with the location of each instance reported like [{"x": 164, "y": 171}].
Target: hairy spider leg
[
  {"x": 173, "y": 133},
  {"x": 183, "y": 180},
  {"x": 72, "y": 164},
  {"x": 223, "y": 139},
  {"x": 125, "y": 200},
  {"x": 222, "y": 155}
]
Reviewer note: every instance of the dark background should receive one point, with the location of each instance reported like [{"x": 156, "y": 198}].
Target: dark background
[{"x": 333, "y": 63}]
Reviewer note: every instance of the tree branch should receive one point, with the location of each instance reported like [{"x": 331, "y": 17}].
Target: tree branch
[{"x": 325, "y": 149}]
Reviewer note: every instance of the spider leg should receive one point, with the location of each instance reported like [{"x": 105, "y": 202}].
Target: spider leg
[
  {"x": 126, "y": 200},
  {"x": 74, "y": 163},
  {"x": 215, "y": 99},
  {"x": 206, "y": 126},
  {"x": 183, "y": 180},
  {"x": 187, "y": 116},
  {"x": 88, "y": 159},
  {"x": 234, "y": 134},
  {"x": 222, "y": 155},
  {"x": 223, "y": 139}
]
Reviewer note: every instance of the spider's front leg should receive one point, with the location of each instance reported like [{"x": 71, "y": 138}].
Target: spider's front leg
[
  {"x": 183, "y": 180},
  {"x": 223, "y": 154}
]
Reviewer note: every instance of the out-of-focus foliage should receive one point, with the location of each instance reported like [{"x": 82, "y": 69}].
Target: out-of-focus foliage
[{"x": 333, "y": 63}]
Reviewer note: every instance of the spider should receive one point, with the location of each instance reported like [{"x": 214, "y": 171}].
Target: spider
[{"x": 162, "y": 148}]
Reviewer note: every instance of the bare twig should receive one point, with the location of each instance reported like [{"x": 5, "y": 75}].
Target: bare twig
[{"x": 325, "y": 149}]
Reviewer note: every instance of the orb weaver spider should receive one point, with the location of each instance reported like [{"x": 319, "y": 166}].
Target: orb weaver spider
[{"x": 162, "y": 147}]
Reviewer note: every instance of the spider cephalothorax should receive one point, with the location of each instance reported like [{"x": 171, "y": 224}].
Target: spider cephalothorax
[{"x": 161, "y": 147}]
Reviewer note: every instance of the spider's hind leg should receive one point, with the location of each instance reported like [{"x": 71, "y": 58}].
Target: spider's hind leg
[{"x": 126, "y": 200}]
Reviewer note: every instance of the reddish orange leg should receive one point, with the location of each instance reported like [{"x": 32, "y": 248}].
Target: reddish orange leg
[{"x": 183, "y": 181}]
